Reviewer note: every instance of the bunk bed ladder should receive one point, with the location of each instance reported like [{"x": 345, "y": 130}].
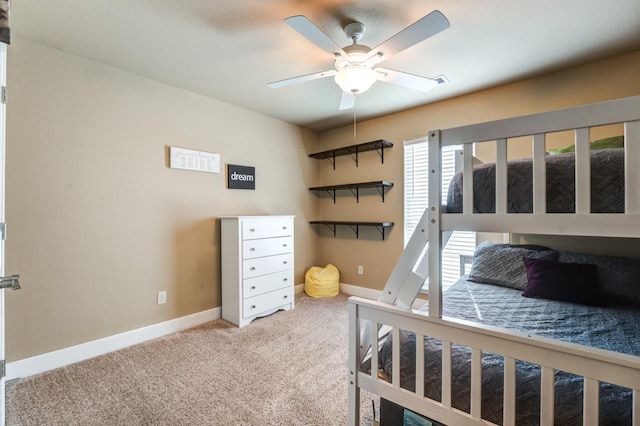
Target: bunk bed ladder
[
  {"x": 412, "y": 269},
  {"x": 408, "y": 276}
]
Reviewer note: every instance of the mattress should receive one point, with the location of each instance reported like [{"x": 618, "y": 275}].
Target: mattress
[
  {"x": 616, "y": 329},
  {"x": 607, "y": 185}
]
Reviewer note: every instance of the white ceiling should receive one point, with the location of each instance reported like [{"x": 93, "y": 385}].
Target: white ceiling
[{"x": 230, "y": 49}]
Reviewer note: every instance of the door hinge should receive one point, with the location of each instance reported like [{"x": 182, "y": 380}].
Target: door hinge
[
  {"x": 3, "y": 372},
  {"x": 3, "y": 94},
  {"x": 3, "y": 231}
]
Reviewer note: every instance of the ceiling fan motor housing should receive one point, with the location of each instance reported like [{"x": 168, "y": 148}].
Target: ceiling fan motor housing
[{"x": 354, "y": 31}]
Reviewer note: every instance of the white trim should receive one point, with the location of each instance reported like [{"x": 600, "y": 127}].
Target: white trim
[
  {"x": 417, "y": 140},
  {"x": 40, "y": 363},
  {"x": 351, "y": 290},
  {"x": 354, "y": 290},
  {"x": 3, "y": 158}
]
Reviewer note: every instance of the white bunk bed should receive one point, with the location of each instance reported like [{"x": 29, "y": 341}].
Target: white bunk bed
[{"x": 392, "y": 310}]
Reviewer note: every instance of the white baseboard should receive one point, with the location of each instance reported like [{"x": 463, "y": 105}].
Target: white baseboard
[
  {"x": 351, "y": 290},
  {"x": 354, "y": 290},
  {"x": 40, "y": 363}
]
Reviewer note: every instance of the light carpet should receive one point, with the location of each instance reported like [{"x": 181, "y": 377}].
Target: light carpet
[{"x": 288, "y": 368}]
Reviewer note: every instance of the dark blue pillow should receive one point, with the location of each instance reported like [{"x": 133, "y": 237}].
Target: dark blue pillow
[
  {"x": 566, "y": 282},
  {"x": 619, "y": 277}
]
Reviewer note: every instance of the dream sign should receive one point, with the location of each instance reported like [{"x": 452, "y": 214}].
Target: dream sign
[{"x": 241, "y": 177}]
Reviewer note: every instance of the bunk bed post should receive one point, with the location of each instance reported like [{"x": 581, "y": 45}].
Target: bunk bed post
[
  {"x": 435, "y": 256},
  {"x": 632, "y": 167},
  {"x": 353, "y": 367}
]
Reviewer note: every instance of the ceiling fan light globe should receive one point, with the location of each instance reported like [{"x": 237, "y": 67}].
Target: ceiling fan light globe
[{"x": 355, "y": 79}]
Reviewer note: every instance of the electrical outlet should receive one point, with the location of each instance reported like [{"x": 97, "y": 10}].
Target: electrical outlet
[
  {"x": 360, "y": 270},
  {"x": 162, "y": 297}
]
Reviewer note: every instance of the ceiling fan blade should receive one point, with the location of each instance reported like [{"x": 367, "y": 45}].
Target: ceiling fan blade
[
  {"x": 420, "y": 30},
  {"x": 302, "y": 78},
  {"x": 410, "y": 81},
  {"x": 308, "y": 29},
  {"x": 347, "y": 101}
]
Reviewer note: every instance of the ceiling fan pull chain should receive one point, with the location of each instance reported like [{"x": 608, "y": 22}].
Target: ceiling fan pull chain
[{"x": 354, "y": 115}]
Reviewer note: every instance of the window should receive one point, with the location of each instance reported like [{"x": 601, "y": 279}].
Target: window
[{"x": 416, "y": 196}]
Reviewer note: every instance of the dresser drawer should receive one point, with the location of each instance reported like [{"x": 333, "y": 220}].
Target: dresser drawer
[
  {"x": 266, "y": 247},
  {"x": 266, "y": 283},
  {"x": 265, "y": 302},
  {"x": 266, "y": 265},
  {"x": 266, "y": 228}
]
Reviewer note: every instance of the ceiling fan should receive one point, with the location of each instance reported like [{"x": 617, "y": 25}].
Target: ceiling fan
[{"x": 356, "y": 65}]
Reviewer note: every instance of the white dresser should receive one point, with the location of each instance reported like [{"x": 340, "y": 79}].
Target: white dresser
[{"x": 257, "y": 266}]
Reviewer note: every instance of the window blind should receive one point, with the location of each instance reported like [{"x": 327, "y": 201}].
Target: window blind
[{"x": 416, "y": 197}]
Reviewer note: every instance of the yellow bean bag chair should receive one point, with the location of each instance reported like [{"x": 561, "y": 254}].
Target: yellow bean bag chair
[{"x": 322, "y": 282}]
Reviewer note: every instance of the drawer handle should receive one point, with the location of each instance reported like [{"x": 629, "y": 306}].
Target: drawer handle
[
  {"x": 284, "y": 245},
  {"x": 253, "y": 268},
  {"x": 285, "y": 297},
  {"x": 285, "y": 279},
  {"x": 252, "y": 230},
  {"x": 252, "y": 249},
  {"x": 284, "y": 227},
  {"x": 284, "y": 262},
  {"x": 253, "y": 306},
  {"x": 253, "y": 287}
]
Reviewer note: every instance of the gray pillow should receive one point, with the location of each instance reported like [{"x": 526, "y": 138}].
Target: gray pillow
[
  {"x": 618, "y": 277},
  {"x": 502, "y": 264}
]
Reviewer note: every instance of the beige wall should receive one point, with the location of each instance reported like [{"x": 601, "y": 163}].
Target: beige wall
[
  {"x": 98, "y": 223},
  {"x": 609, "y": 79}
]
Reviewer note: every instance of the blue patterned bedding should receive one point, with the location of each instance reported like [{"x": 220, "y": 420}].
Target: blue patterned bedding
[
  {"x": 616, "y": 329},
  {"x": 607, "y": 185}
]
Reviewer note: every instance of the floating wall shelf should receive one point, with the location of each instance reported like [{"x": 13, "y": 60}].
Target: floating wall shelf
[
  {"x": 380, "y": 185},
  {"x": 353, "y": 151},
  {"x": 355, "y": 226}
]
